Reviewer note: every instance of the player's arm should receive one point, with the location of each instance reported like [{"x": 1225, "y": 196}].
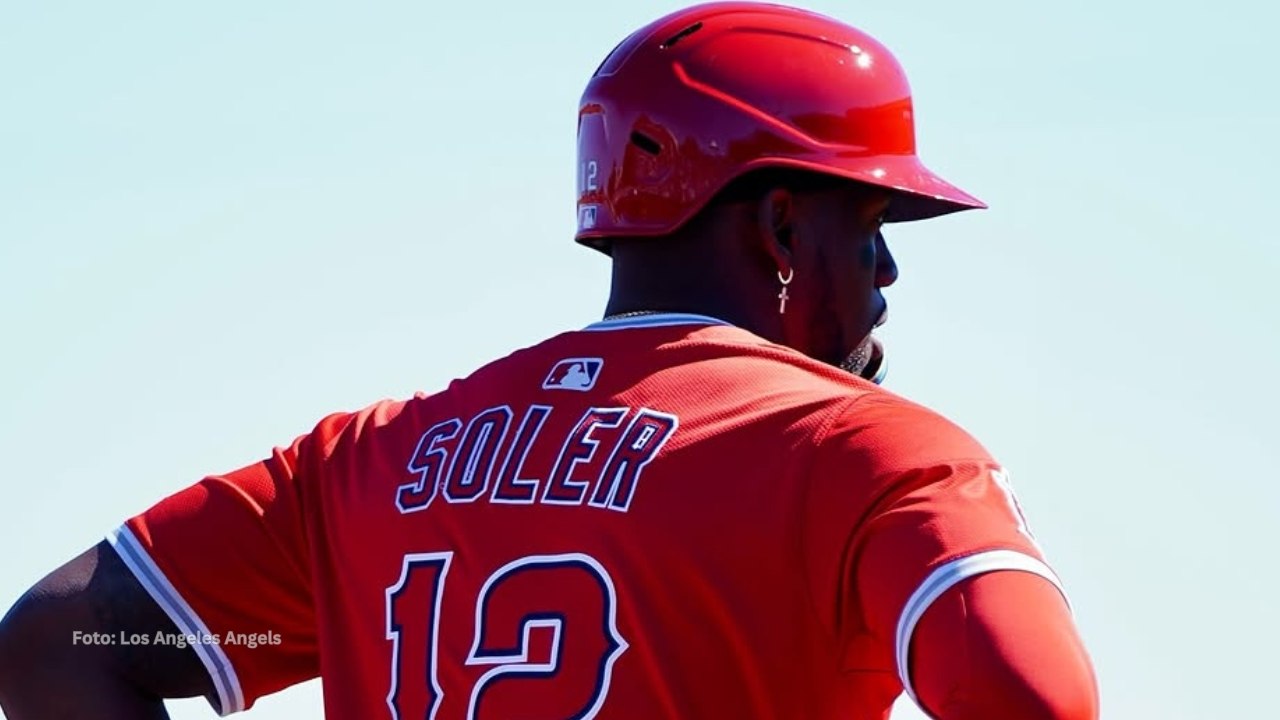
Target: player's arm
[
  {"x": 71, "y": 647},
  {"x": 979, "y": 624},
  {"x": 198, "y": 574},
  {"x": 998, "y": 645}
]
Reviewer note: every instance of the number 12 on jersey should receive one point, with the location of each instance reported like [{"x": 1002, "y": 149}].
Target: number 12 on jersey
[{"x": 544, "y": 642}]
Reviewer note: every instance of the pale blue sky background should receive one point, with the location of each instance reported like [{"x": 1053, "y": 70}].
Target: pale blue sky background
[{"x": 219, "y": 222}]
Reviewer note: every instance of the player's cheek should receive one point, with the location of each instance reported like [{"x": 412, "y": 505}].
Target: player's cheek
[{"x": 833, "y": 315}]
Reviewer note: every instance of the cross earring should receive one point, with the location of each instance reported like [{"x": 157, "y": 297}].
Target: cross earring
[{"x": 782, "y": 296}]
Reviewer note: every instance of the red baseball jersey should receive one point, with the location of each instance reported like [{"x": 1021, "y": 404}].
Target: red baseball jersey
[{"x": 662, "y": 516}]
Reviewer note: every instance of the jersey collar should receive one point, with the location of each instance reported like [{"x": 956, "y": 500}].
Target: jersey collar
[{"x": 655, "y": 320}]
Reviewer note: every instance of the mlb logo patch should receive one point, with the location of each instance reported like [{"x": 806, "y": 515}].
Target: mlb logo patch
[{"x": 574, "y": 374}]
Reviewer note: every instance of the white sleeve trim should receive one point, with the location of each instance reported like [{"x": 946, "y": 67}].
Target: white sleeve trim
[
  {"x": 230, "y": 696},
  {"x": 945, "y": 578}
]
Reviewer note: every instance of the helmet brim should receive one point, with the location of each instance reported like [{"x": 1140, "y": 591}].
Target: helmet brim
[{"x": 918, "y": 192}]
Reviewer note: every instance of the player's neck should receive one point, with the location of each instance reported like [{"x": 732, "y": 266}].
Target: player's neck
[
  {"x": 688, "y": 274},
  {"x": 632, "y": 304}
]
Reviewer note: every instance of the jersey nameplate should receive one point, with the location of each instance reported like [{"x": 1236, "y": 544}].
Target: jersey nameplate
[{"x": 484, "y": 458}]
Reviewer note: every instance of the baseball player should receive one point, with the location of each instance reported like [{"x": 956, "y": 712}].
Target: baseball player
[{"x": 702, "y": 506}]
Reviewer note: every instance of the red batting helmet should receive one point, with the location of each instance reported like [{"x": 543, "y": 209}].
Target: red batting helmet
[{"x": 699, "y": 97}]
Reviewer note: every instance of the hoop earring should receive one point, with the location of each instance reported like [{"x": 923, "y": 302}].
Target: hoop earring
[{"x": 782, "y": 296}]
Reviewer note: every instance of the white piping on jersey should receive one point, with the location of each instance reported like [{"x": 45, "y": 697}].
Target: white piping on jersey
[
  {"x": 216, "y": 662},
  {"x": 654, "y": 320},
  {"x": 947, "y": 577}
]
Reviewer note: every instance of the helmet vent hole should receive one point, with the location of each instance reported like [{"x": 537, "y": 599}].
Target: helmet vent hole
[
  {"x": 671, "y": 41},
  {"x": 645, "y": 143}
]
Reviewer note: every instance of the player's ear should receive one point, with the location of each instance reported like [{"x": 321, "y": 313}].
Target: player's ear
[{"x": 775, "y": 218}]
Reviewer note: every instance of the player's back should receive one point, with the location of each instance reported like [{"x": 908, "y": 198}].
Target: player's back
[{"x": 616, "y": 523}]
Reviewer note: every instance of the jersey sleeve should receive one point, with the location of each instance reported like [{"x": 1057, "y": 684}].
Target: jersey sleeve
[
  {"x": 915, "y": 506},
  {"x": 228, "y": 559}
]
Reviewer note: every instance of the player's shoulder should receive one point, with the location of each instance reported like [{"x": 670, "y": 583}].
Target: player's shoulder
[
  {"x": 890, "y": 433},
  {"x": 393, "y": 422},
  {"x": 346, "y": 428},
  {"x": 739, "y": 354}
]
